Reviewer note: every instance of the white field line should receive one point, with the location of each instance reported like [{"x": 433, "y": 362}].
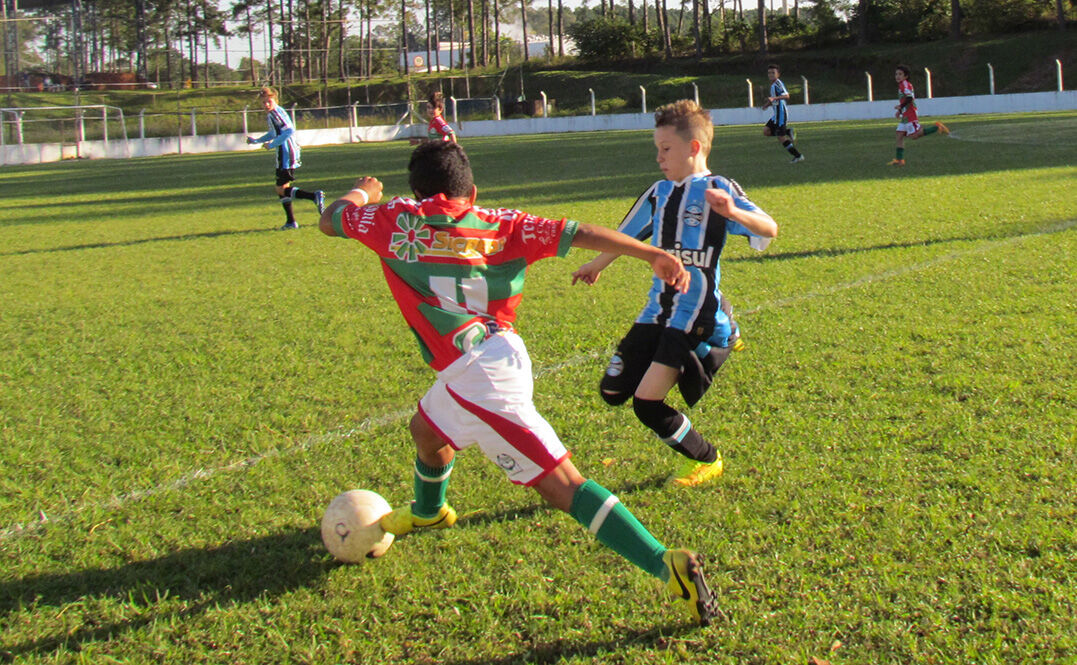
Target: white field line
[{"x": 17, "y": 530}]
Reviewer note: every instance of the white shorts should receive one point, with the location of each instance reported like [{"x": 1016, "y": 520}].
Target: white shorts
[
  {"x": 908, "y": 127},
  {"x": 485, "y": 398}
]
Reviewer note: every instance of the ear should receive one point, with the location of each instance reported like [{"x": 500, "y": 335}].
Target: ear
[
  {"x": 474, "y": 195},
  {"x": 695, "y": 147}
]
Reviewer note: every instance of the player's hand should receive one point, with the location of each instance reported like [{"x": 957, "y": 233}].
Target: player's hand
[
  {"x": 267, "y": 146},
  {"x": 371, "y": 185},
  {"x": 587, "y": 273},
  {"x": 670, "y": 270},
  {"x": 251, "y": 141},
  {"x": 720, "y": 201}
]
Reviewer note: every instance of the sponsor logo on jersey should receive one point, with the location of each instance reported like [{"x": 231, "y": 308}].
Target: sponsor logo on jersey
[
  {"x": 694, "y": 257},
  {"x": 535, "y": 229},
  {"x": 693, "y": 214},
  {"x": 461, "y": 247}
]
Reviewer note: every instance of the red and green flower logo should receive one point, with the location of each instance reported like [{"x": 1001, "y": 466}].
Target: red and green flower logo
[{"x": 406, "y": 245}]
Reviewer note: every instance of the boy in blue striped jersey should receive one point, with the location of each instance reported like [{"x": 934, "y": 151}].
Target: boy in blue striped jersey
[
  {"x": 681, "y": 338},
  {"x": 777, "y": 97},
  {"x": 281, "y": 138}
]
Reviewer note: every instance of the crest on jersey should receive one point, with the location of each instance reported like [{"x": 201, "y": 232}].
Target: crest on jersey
[
  {"x": 406, "y": 245},
  {"x": 693, "y": 214}
]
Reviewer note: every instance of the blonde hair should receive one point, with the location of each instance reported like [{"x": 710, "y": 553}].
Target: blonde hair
[
  {"x": 689, "y": 120},
  {"x": 268, "y": 93}
]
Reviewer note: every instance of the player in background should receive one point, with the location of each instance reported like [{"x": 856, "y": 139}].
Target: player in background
[
  {"x": 909, "y": 125},
  {"x": 438, "y": 129},
  {"x": 281, "y": 137},
  {"x": 457, "y": 274},
  {"x": 681, "y": 338},
  {"x": 777, "y": 97}
]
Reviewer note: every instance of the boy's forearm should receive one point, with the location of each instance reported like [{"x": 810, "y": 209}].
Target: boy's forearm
[
  {"x": 612, "y": 244},
  {"x": 758, "y": 223}
]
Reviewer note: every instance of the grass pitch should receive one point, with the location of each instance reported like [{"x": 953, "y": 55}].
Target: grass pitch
[{"x": 183, "y": 390}]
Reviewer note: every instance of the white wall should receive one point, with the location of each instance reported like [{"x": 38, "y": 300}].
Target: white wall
[{"x": 939, "y": 106}]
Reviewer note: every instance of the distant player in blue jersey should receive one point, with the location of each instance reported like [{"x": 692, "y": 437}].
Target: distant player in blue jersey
[
  {"x": 281, "y": 137},
  {"x": 778, "y": 125},
  {"x": 681, "y": 338}
]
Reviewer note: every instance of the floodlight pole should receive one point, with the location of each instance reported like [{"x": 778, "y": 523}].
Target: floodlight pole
[
  {"x": 990, "y": 78},
  {"x": 871, "y": 96}
]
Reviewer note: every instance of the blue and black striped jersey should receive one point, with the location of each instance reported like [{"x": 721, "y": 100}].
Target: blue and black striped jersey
[
  {"x": 281, "y": 135},
  {"x": 677, "y": 218},
  {"x": 777, "y": 89}
]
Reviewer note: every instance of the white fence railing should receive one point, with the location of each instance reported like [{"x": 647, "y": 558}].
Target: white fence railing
[{"x": 194, "y": 142}]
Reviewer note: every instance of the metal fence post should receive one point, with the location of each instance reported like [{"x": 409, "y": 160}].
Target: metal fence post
[
  {"x": 104, "y": 126},
  {"x": 245, "y": 118},
  {"x": 142, "y": 124},
  {"x": 695, "y": 92},
  {"x": 592, "y": 91},
  {"x": 928, "y": 73},
  {"x": 804, "y": 79},
  {"x": 751, "y": 94},
  {"x": 497, "y": 107},
  {"x": 18, "y": 127},
  {"x": 453, "y": 100},
  {"x": 871, "y": 96},
  {"x": 545, "y": 113},
  {"x": 643, "y": 91},
  {"x": 1058, "y": 71},
  {"x": 194, "y": 123},
  {"x": 990, "y": 78}
]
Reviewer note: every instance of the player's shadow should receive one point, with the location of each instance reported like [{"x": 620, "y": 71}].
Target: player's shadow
[
  {"x": 655, "y": 638},
  {"x": 139, "y": 241},
  {"x": 236, "y": 572}
]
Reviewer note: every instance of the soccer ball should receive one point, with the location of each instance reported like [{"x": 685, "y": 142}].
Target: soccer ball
[{"x": 350, "y": 528}]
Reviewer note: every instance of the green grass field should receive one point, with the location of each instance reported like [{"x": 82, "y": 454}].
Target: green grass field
[{"x": 183, "y": 390}]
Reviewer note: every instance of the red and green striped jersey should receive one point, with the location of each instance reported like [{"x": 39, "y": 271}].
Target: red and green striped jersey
[{"x": 456, "y": 270}]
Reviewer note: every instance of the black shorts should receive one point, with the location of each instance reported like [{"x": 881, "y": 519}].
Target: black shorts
[
  {"x": 646, "y": 343},
  {"x": 776, "y": 129},
  {"x": 285, "y": 176}
]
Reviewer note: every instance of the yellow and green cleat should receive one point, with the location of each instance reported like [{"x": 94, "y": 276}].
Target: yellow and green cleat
[
  {"x": 694, "y": 473},
  {"x": 686, "y": 582},
  {"x": 401, "y": 520}
]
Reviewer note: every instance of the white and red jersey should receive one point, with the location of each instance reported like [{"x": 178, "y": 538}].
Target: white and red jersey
[
  {"x": 905, "y": 92},
  {"x": 438, "y": 129},
  {"x": 456, "y": 271}
]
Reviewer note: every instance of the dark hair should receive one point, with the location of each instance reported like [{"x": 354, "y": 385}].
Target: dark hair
[
  {"x": 774, "y": 67},
  {"x": 904, "y": 69},
  {"x": 440, "y": 167},
  {"x": 437, "y": 100}
]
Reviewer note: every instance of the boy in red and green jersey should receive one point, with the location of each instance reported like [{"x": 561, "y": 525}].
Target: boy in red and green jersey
[{"x": 457, "y": 272}]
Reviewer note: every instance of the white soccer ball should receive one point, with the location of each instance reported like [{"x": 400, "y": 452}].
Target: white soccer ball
[{"x": 350, "y": 528}]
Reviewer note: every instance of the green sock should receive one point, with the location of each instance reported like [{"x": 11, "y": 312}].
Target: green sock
[
  {"x": 430, "y": 486},
  {"x": 602, "y": 514},
  {"x": 930, "y": 130},
  {"x": 901, "y": 153}
]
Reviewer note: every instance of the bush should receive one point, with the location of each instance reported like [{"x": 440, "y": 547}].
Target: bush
[{"x": 604, "y": 39}]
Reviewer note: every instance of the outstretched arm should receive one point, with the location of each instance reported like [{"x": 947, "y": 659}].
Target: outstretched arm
[
  {"x": 589, "y": 272},
  {"x": 759, "y": 223},
  {"x": 667, "y": 267},
  {"x": 366, "y": 190}
]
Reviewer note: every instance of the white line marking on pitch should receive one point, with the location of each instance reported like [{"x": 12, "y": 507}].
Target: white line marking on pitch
[{"x": 116, "y": 502}]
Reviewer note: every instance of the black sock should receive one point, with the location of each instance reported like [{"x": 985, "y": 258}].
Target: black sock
[
  {"x": 674, "y": 429},
  {"x": 300, "y": 194},
  {"x": 692, "y": 445},
  {"x": 287, "y": 205},
  {"x": 792, "y": 149}
]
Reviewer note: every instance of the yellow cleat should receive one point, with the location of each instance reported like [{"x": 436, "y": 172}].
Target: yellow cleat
[
  {"x": 696, "y": 473},
  {"x": 401, "y": 521},
  {"x": 943, "y": 129},
  {"x": 896, "y": 162},
  {"x": 686, "y": 582},
  {"x": 738, "y": 345}
]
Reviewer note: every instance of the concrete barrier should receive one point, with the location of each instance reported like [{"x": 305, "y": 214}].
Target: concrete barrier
[{"x": 36, "y": 153}]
